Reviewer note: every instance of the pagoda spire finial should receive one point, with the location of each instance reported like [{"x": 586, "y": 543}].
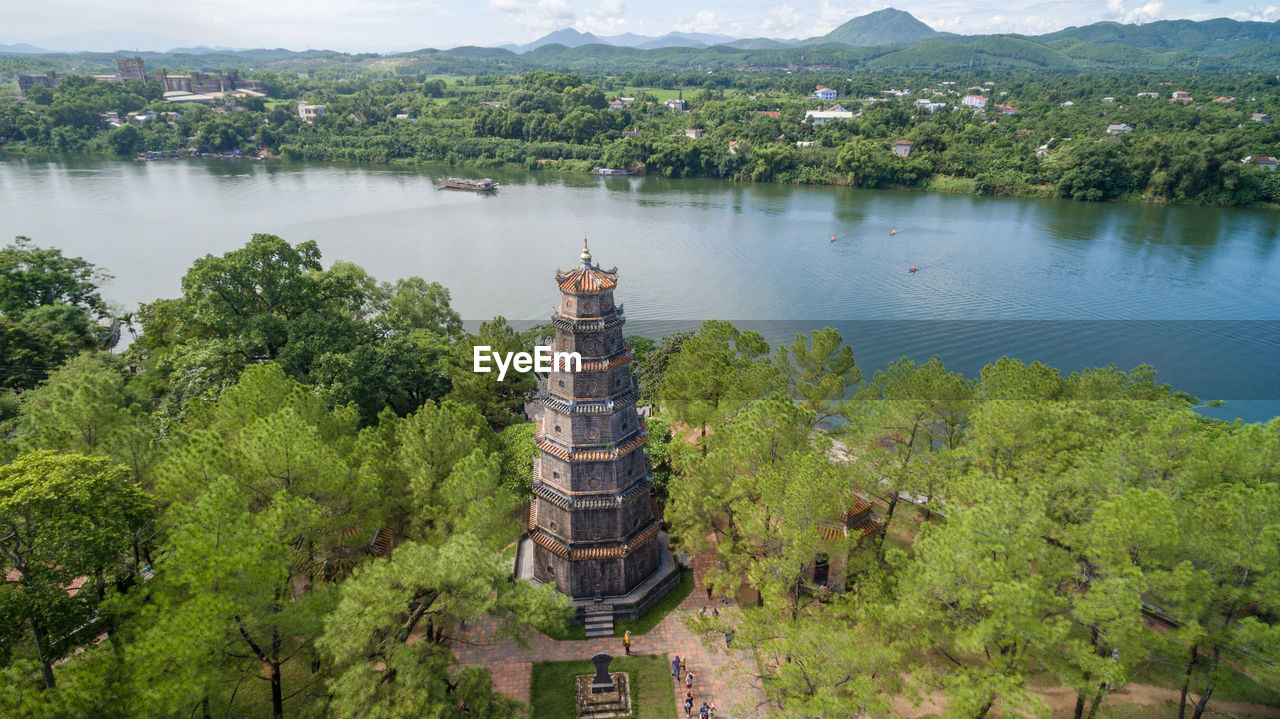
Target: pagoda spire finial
[{"x": 586, "y": 253}]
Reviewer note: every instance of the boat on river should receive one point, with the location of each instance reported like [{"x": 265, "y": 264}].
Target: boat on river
[
  {"x": 460, "y": 183},
  {"x": 613, "y": 171}
]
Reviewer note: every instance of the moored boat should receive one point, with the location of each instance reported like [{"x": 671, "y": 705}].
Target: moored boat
[
  {"x": 613, "y": 171},
  {"x": 459, "y": 183}
]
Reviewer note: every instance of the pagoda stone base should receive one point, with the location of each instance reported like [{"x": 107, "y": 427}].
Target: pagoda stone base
[
  {"x": 625, "y": 606},
  {"x": 616, "y": 703}
]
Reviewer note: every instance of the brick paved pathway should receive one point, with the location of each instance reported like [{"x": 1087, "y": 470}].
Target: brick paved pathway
[{"x": 721, "y": 677}]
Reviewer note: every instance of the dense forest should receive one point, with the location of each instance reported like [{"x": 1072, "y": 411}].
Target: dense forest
[{"x": 203, "y": 525}]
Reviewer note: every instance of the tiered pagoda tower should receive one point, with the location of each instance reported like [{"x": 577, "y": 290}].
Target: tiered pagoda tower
[{"x": 592, "y": 530}]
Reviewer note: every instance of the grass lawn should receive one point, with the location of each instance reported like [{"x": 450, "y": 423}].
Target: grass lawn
[
  {"x": 551, "y": 694},
  {"x": 650, "y": 619},
  {"x": 660, "y": 94}
]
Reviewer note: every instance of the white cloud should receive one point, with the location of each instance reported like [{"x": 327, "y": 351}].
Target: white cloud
[
  {"x": 833, "y": 15},
  {"x": 1000, "y": 23},
  {"x": 1146, "y": 13},
  {"x": 605, "y": 19},
  {"x": 702, "y": 21},
  {"x": 1270, "y": 13},
  {"x": 782, "y": 21},
  {"x": 536, "y": 17}
]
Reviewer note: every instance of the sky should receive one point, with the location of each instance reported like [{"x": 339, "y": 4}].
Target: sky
[{"x": 398, "y": 25}]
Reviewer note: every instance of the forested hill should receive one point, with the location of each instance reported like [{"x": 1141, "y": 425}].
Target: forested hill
[
  {"x": 887, "y": 26},
  {"x": 885, "y": 40}
]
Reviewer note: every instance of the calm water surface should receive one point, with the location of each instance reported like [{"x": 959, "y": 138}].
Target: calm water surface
[{"x": 1194, "y": 291}]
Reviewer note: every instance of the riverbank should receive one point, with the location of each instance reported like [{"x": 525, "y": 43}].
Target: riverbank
[
  {"x": 943, "y": 184},
  {"x": 936, "y": 183}
]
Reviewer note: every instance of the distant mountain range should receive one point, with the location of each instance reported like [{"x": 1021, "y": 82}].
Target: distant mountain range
[
  {"x": 897, "y": 27},
  {"x": 882, "y": 27},
  {"x": 572, "y": 38},
  {"x": 22, "y": 49}
]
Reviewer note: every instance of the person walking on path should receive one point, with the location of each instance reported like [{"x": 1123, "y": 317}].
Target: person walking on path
[
  {"x": 688, "y": 681},
  {"x": 626, "y": 641},
  {"x": 684, "y": 665},
  {"x": 688, "y": 704},
  {"x": 675, "y": 666},
  {"x": 704, "y": 712}
]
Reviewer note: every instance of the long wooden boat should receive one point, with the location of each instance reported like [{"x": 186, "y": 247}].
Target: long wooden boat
[
  {"x": 459, "y": 183},
  {"x": 613, "y": 171}
]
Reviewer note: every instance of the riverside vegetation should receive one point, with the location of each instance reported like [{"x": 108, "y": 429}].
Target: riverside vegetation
[
  {"x": 213, "y": 494},
  {"x": 1176, "y": 152}
]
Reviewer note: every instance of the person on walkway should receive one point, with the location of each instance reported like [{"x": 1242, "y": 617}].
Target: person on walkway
[
  {"x": 688, "y": 704},
  {"x": 684, "y": 664},
  {"x": 626, "y": 641},
  {"x": 708, "y": 592},
  {"x": 675, "y": 666},
  {"x": 688, "y": 681},
  {"x": 704, "y": 712}
]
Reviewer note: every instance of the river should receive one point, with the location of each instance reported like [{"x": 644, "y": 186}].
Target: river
[{"x": 1194, "y": 291}]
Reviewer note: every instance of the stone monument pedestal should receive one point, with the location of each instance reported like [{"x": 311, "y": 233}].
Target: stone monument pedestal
[{"x": 615, "y": 702}]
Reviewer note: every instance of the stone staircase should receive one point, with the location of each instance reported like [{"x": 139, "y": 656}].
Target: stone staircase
[{"x": 599, "y": 621}]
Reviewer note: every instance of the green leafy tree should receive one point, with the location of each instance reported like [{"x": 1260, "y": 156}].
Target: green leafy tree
[
  {"x": 125, "y": 140},
  {"x": 716, "y": 373},
  {"x": 817, "y": 371},
  {"x": 1234, "y": 533},
  {"x": 910, "y": 420},
  {"x": 95, "y": 685},
  {"x": 500, "y": 401},
  {"x": 29, "y": 354},
  {"x": 518, "y": 451},
  {"x": 32, "y": 276},
  {"x": 736, "y": 490},
  {"x": 836, "y": 658},
  {"x": 981, "y": 592},
  {"x": 40, "y": 95},
  {"x": 369, "y": 344},
  {"x": 265, "y": 510},
  {"x": 389, "y": 634},
  {"x": 652, "y": 361},
  {"x": 67, "y": 520}
]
